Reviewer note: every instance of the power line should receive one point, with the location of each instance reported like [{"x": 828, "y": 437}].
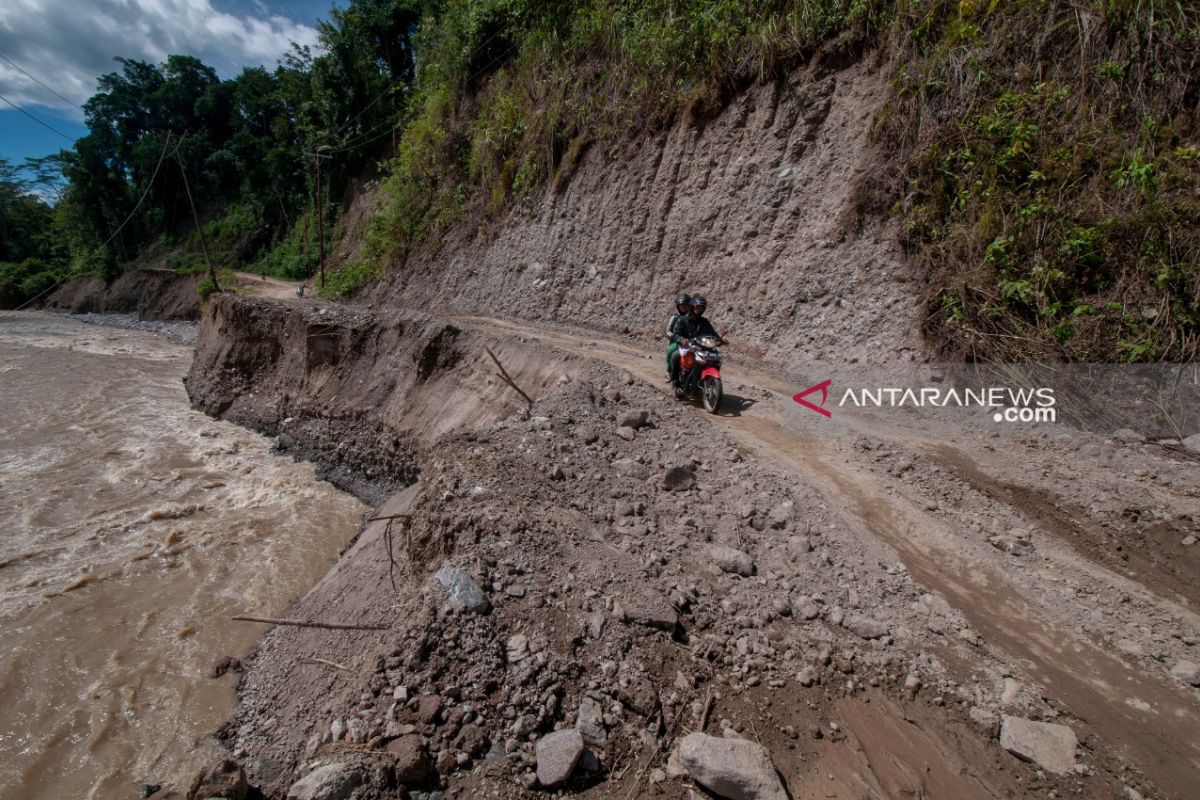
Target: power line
[
  {"x": 161, "y": 157},
  {"x": 38, "y": 121},
  {"x": 39, "y": 83}
]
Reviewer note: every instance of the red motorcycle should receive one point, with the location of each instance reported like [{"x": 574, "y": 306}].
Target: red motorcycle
[{"x": 700, "y": 371}]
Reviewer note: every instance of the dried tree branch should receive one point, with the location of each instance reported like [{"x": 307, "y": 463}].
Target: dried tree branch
[{"x": 308, "y": 623}]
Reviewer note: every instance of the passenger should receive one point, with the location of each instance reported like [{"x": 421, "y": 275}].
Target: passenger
[{"x": 683, "y": 306}]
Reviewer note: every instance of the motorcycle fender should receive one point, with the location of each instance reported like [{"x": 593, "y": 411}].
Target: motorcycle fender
[{"x": 710, "y": 372}]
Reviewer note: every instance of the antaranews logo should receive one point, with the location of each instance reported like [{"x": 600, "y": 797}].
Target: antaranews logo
[{"x": 1007, "y": 404}]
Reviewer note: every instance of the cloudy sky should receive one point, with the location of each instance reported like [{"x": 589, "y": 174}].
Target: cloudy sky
[{"x": 67, "y": 44}]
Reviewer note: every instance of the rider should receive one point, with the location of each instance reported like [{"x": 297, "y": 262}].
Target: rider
[
  {"x": 685, "y": 329},
  {"x": 683, "y": 306}
]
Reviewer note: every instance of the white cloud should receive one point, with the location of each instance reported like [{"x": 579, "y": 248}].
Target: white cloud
[{"x": 68, "y": 44}]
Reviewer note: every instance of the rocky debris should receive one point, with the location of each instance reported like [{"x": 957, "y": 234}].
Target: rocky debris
[
  {"x": 634, "y": 418},
  {"x": 335, "y": 781},
  {"x": 631, "y": 469},
  {"x": 732, "y": 560},
  {"x": 649, "y": 610},
  {"x": 412, "y": 766},
  {"x": 224, "y": 779},
  {"x": 463, "y": 592},
  {"x": 737, "y": 769},
  {"x": 517, "y": 647},
  {"x": 1011, "y": 545},
  {"x": 679, "y": 479},
  {"x": 866, "y": 627},
  {"x": 1187, "y": 671},
  {"x": 1128, "y": 435},
  {"x": 557, "y": 756},
  {"x": 1049, "y": 745},
  {"x": 627, "y": 433},
  {"x": 589, "y": 721},
  {"x": 1192, "y": 443}
]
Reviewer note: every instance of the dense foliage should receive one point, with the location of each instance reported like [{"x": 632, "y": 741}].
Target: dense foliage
[
  {"x": 1044, "y": 153},
  {"x": 245, "y": 144}
]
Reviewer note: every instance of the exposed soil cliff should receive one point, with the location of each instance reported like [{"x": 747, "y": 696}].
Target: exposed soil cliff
[
  {"x": 356, "y": 391},
  {"x": 152, "y": 294},
  {"x": 757, "y": 209}
]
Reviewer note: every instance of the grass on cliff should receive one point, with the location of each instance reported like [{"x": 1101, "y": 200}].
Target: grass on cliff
[
  {"x": 1045, "y": 153},
  {"x": 1052, "y": 182}
]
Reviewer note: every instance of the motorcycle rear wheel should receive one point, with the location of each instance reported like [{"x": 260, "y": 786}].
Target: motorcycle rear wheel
[{"x": 711, "y": 393}]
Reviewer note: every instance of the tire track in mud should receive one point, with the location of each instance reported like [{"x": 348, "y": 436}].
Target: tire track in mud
[
  {"x": 1150, "y": 721},
  {"x": 1124, "y": 551}
]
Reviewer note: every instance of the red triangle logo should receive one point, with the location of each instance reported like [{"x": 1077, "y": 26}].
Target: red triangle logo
[{"x": 823, "y": 386}]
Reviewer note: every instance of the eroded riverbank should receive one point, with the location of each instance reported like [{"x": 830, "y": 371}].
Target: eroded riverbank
[{"x": 136, "y": 527}]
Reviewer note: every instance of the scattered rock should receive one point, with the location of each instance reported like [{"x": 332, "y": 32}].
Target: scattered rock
[
  {"x": 1012, "y": 545},
  {"x": 1050, "y": 746},
  {"x": 866, "y": 627},
  {"x": 737, "y": 769},
  {"x": 649, "y": 610},
  {"x": 679, "y": 479},
  {"x": 728, "y": 559},
  {"x": 463, "y": 592},
  {"x": 412, "y": 763},
  {"x": 517, "y": 648},
  {"x": 1128, "y": 435},
  {"x": 626, "y": 433},
  {"x": 782, "y": 514},
  {"x": 557, "y": 755},
  {"x": 590, "y": 722},
  {"x": 1186, "y": 671},
  {"x": 329, "y": 782},
  {"x": 224, "y": 779},
  {"x": 1012, "y": 689},
  {"x": 631, "y": 469},
  {"x": 428, "y": 707},
  {"x": 1192, "y": 443},
  {"x": 634, "y": 418}
]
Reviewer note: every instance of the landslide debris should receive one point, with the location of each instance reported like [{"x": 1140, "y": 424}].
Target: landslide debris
[{"x": 560, "y": 620}]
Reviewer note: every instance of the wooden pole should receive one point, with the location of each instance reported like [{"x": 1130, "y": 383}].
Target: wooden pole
[
  {"x": 320, "y": 224},
  {"x": 212, "y": 273}
]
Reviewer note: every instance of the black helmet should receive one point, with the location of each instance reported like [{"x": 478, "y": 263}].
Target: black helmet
[
  {"x": 683, "y": 299},
  {"x": 698, "y": 300}
]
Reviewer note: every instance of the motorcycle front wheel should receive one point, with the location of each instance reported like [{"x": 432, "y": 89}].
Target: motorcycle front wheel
[{"x": 712, "y": 393}]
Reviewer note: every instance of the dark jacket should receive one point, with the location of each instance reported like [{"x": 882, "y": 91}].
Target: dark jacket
[
  {"x": 685, "y": 326},
  {"x": 671, "y": 325}
]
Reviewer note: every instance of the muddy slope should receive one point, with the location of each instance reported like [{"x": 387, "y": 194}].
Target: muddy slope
[
  {"x": 150, "y": 293},
  {"x": 755, "y": 208},
  {"x": 357, "y": 392}
]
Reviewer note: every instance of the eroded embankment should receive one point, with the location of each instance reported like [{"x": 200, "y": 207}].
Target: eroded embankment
[
  {"x": 152, "y": 294},
  {"x": 357, "y": 392}
]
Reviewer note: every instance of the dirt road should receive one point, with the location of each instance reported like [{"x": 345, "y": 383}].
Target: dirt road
[{"x": 1095, "y": 616}]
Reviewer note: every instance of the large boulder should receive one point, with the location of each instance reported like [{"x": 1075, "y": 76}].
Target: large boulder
[
  {"x": 460, "y": 589},
  {"x": 329, "y": 782},
  {"x": 557, "y": 756},
  {"x": 737, "y": 769},
  {"x": 1050, "y": 746}
]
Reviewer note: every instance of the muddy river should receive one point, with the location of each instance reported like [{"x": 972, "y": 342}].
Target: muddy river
[{"x": 131, "y": 529}]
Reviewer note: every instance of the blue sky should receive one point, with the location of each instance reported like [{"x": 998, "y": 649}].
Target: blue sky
[{"x": 67, "y": 44}]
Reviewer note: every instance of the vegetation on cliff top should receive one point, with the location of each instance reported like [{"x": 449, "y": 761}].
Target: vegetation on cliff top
[{"x": 1044, "y": 154}]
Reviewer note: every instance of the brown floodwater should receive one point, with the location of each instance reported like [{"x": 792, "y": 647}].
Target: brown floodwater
[{"x": 131, "y": 529}]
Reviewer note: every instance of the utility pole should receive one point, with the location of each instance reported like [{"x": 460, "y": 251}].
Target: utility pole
[
  {"x": 318, "y": 155},
  {"x": 212, "y": 273}
]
